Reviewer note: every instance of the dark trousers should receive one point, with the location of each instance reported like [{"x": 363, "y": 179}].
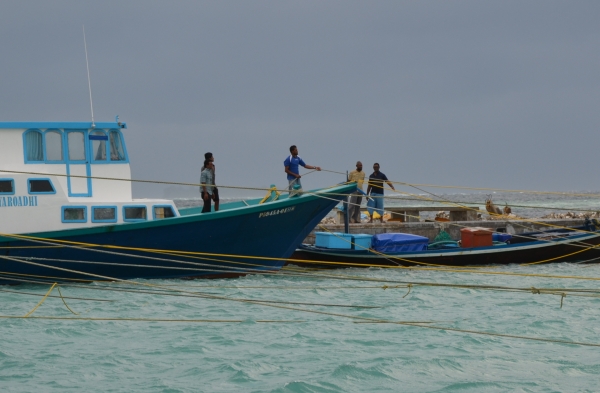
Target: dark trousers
[
  {"x": 206, "y": 208},
  {"x": 354, "y": 206},
  {"x": 215, "y": 196}
]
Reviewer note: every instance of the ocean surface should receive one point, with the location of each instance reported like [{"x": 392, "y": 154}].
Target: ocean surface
[{"x": 496, "y": 329}]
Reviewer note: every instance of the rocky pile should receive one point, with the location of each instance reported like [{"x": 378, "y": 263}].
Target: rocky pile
[{"x": 572, "y": 215}]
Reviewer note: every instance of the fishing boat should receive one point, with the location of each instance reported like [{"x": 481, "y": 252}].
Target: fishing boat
[
  {"x": 67, "y": 213},
  {"x": 577, "y": 244}
]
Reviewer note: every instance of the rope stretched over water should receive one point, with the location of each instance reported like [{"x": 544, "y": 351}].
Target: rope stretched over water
[
  {"x": 492, "y": 334},
  {"x": 322, "y": 170},
  {"x": 40, "y": 302},
  {"x": 64, "y": 302},
  {"x": 151, "y": 319},
  {"x": 581, "y": 292},
  {"x": 187, "y": 254},
  {"x": 263, "y": 189},
  {"x": 169, "y": 292},
  {"x": 54, "y": 296},
  {"x": 362, "y": 319},
  {"x": 446, "y": 269},
  {"x": 421, "y": 324}
]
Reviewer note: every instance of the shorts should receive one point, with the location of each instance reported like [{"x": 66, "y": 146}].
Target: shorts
[
  {"x": 375, "y": 204},
  {"x": 293, "y": 182}
]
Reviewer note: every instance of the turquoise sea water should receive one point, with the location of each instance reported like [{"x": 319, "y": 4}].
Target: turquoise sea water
[{"x": 217, "y": 341}]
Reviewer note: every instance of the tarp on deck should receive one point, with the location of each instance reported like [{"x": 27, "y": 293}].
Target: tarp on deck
[{"x": 398, "y": 242}]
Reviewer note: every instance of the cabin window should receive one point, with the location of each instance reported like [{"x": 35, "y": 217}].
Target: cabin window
[
  {"x": 134, "y": 213},
  {"x": 104, "y": 214},
  {"x": 99, "y": 140},
  {"x": 76, "y": 143},
  {"x": 161, "y": 212},
  {"x": 7, "y": 186},
  {"x": 41, "y": 186},
  {"x": 34, "y": 147},
  {"x": 54, "y": 146},
  {"x": 117, "y": 153},
  {"x": 74, "y": 214}
]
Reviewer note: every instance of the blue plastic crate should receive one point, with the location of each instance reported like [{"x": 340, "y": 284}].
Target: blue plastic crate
[
  {"x": 333, "y": 240},
  {"x": 501, "y": 237},
  {"x": 361, "y": 241}
]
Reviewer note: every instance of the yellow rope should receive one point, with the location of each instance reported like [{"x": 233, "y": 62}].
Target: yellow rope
[
  {"x": 40, "y": 303},
  {"x": 548, "y": 340},
  {"x": 362, "y": 319},
  {"x": 151, "y": 319},
  {"x": 445, "y": 269},
  {"x": 593, "y": 293},
  {"x": 65, "y": 303}
]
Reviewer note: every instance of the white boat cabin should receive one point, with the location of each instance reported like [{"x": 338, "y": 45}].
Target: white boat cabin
[{"x": 62, "y": 175}]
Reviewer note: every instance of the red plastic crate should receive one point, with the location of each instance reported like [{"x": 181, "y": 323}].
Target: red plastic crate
[{"x": 476, "y": 237}]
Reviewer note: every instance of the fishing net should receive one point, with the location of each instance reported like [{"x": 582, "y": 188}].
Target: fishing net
[{"x": 443, "y": 236}]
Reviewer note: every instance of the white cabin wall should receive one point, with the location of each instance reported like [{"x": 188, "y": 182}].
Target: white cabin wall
[
  {"x": 111, "y": 190},
  {"x": 11, "y": 150}
]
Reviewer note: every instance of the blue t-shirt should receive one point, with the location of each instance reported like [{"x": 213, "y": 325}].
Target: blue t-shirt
[{"x": 293, "y": 163}]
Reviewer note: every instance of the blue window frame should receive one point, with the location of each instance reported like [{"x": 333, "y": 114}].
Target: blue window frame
[
  {"x": 7, "y": 186},
  {"x": 40, "y": 186},
  {"x": 118, "y": 151},
  {"x": 163, "y": 211},
  {"x": 73, "y": 214},
  {"x": 99, "y": 142},
  {"x": 76, "y": 150},
  {"x": 54, "y": 147},
  {"x": 134, "y": 213},
  {"x": 33, "y": 146},
  {"x": 104, "y": 214}
]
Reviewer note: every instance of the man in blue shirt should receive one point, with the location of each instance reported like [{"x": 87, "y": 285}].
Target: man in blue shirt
[
  {"x": 292, "y": 169},
  {"x": 376, "y": 189}
]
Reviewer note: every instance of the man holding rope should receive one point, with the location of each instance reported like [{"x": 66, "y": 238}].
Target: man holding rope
[
  {"x": 292, "y": 164},
  {"x": 376, "y": 189}
]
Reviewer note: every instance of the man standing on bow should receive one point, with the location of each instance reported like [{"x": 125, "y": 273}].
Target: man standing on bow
[
  {"x": 376, "y": 189},
  {"x": 207, "y": 187},
  {"x": 292, "y": 164},
  {"x": 357, "y": 176},
  {"x": 215, "y": 196}
]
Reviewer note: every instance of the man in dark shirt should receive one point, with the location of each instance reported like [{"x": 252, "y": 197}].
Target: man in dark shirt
[
  {"x": 215, "y": 195},
  {"x": 375, "y": 188}
]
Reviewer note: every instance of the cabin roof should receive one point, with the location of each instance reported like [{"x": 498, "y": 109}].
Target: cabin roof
[{"x": 59, "y": 124}]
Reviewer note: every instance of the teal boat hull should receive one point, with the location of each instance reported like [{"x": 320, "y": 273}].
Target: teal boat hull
[{"x": 235, "y": 241}]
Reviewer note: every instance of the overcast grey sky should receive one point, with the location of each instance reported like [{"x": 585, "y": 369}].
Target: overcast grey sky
[{"x": 476, "y": 93}]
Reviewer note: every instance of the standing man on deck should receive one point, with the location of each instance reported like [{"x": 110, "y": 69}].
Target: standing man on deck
[
  {"x": 357, "y": 176},
  {"x": 215, "y": 196},
  {"x": 207, "y": 187},
  {"x": 292, "y": 164},
  {"x": 376, "y": 189}
]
